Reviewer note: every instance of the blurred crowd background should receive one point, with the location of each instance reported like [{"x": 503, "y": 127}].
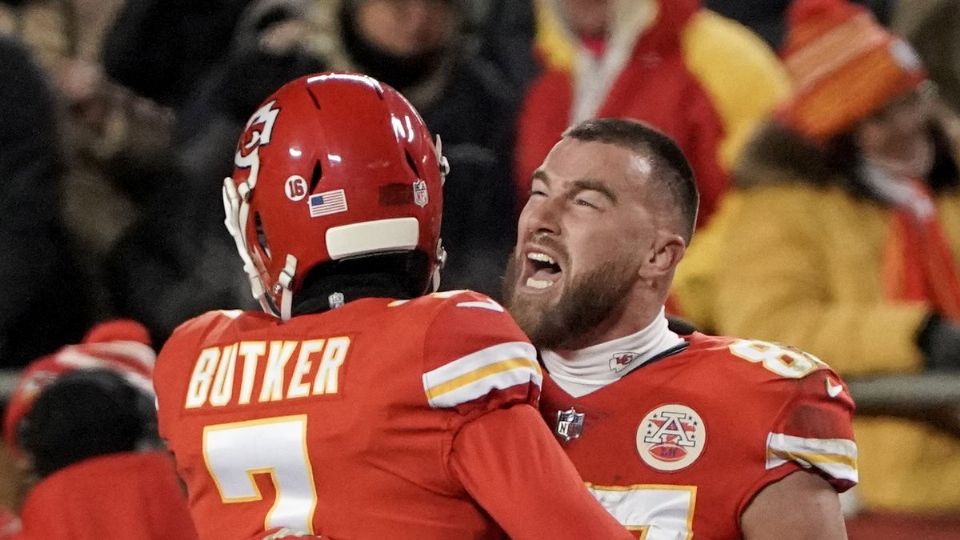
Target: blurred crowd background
[{"x": 825, "y": 148}]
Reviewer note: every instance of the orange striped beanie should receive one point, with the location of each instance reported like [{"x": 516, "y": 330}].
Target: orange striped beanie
[{"x": 844, "y": 66}]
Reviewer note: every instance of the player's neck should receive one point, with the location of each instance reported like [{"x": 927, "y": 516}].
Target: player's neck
[
  {"x": 584, "y": 370},
  {"x": 326, "y": 293}
]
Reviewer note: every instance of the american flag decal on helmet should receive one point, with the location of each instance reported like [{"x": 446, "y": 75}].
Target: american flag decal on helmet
[{"x": 328, "y": 202}]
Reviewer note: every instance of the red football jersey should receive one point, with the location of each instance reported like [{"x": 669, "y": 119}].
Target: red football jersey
[
  {"x": 379, "y": 419},
  {"x": 679, "y": 447}
]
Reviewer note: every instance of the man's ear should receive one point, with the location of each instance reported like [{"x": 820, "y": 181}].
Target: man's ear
[{"x": 667, "y": 250}]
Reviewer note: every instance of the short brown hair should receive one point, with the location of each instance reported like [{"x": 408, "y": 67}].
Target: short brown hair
[{"x": 670, "y": 166}]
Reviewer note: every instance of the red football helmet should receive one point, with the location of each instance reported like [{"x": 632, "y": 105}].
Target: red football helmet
[{"x": 332, "y": 167}]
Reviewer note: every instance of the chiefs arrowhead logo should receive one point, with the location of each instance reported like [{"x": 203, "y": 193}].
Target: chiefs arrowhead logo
[
  {"x": 258, "y": 132},
  {"x": 621, "y": 360}
]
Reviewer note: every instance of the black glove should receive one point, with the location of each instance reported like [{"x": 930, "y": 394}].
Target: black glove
[{"x": 939, "y": 340}]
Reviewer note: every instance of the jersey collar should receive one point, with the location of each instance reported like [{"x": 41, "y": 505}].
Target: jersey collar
[{"x": 582, "y": 371}]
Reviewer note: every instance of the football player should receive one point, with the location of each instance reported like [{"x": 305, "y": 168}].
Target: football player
[
  {"x": 356, "y": 406},
  {"x": 677, "y": 435}
]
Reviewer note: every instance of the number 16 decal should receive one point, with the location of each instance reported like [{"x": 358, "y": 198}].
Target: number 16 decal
[{"x": 235, "y": 452}]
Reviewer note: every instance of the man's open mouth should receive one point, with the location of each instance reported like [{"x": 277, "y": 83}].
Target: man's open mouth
[{"x": 541, "y": 270}]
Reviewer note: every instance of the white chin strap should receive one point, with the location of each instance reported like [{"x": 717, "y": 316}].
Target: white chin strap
[
  {"x": 441, "y": 262},
  {"x": 284, "y": 282},
  {"x": 442, "y": 161},
  {"x": 441, "y": 253}
]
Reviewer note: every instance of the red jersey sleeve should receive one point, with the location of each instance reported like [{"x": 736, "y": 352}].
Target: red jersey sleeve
[
  {"x": 815, "y": 430},
  {"x": 476, "y": 358},
  {"x": 511, "y": 465}
]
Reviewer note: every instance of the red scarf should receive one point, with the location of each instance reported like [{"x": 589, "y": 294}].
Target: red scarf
[{"x": 918, "y": 264}]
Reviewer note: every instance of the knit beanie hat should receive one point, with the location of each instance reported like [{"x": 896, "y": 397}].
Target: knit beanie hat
[
  {"x": 120, "y": 345},
  {"x": 844, "y": 65}
]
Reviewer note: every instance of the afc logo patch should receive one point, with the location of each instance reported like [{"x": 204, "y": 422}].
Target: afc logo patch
[{"x": 671, "y": 437}]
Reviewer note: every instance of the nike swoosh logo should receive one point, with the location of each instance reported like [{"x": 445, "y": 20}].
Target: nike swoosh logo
[{"x": 832, "y": 389}]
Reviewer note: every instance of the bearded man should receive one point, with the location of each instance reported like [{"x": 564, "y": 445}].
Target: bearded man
[{"x": 676, "y": 435}]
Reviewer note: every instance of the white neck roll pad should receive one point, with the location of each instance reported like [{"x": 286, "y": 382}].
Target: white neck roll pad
[{"x": 398, "y": 234}]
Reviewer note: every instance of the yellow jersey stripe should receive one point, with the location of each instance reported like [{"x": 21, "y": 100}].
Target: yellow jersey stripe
[
  {"x": 835, "y": 457},
  {"x": 813, "y": 458},
  {"x": 477, "y": 374},
  {"x": 474, "y": 375}
]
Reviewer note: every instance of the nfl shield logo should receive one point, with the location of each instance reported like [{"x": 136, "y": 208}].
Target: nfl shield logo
[
  {"x": 420, "y": 196},
  {"x": 569, "y": 425}
]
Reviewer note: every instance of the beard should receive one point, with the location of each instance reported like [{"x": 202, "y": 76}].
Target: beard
[{"x": 586, "y": 302}]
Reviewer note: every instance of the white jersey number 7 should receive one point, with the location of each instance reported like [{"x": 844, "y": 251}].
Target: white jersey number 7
[{"x": 235, "y": 452}]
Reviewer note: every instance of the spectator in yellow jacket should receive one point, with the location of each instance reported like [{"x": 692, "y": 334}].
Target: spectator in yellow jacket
[{"x": 842, "y": 237}]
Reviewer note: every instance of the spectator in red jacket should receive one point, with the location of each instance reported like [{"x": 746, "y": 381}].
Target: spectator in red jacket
[
  {"x": 700, "y": 78},
  {"x": 82, "y": 426}
]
